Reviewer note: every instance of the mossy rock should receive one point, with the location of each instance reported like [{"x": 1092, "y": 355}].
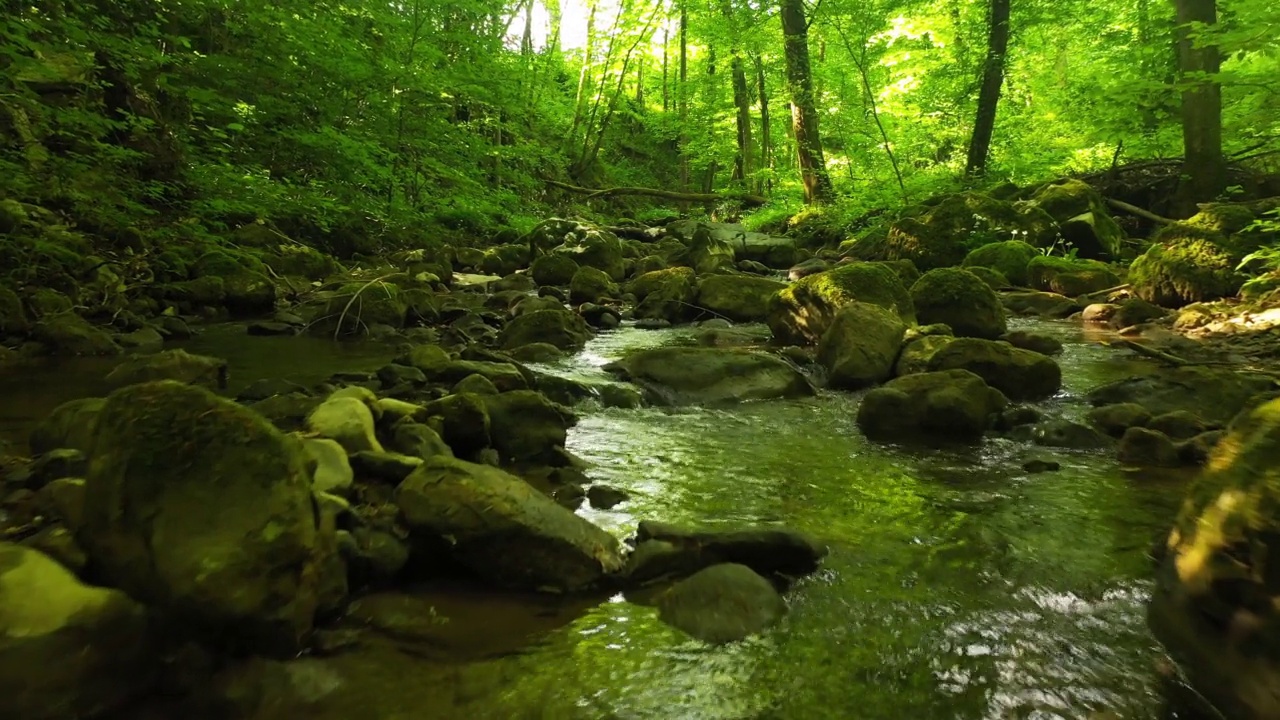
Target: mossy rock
[
  {"x": 600, "y": 249},
  {"x": 67, "y": 333},
  {"x": 1070, "y": 277},
  {"x": 561, "y": 328},
  {"x": 504, "y": 259},
  {"x": 553, "y": 270},
  {"x": 590, "y": 285},
  {"x": 739, "y": 298},
  {"x": 904, "y": 269},
  {"x": 12, "y": 216},
  {"x": 707, "y": 251},
  {"x": 993, "y": 278},
  {"x": 526, "y": 427},
  {"x": 462, "y": 421},
  {"x": 961, "y": 300},
  {"x": 13, "y": 317},
  {"x": 359, "y": 306},
  {"x": 665, "y": 294},
  {"x": 943, "y": 235},
  {"x": 952, "y": 405},
  {"x": 46, "y": 301},
  {"x": 861, "y": 345},
  {"x": 223, "y": 264},
  {"x": 303, "y": 261},
  {"x": 1182, "y": 272},
  {"x": 1010, "y": 258},
  {"x": 1081, "y": 214},
  {"x": 801, "y": 313},
  {"x": 1019, "y": 374}
]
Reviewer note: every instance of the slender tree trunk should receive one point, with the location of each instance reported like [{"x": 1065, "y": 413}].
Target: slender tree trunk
[
  {"x": 989, "y": 94},
  {"x": 766, "y": 131},
  {"x": 666, "y": 70},
  {"x": 526, "y": 42},
  {"x": 1204, "y": 170},
  {"x": 804, "y": 115},
  {"x": 584, "y": 74},
  {"x": 743, "y": 162},
  {"x": 640, "y": 84},
  {"x": 682, "y": 95}
]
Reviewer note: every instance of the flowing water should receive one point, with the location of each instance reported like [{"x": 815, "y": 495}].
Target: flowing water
[{"x": 957, "y": 585}]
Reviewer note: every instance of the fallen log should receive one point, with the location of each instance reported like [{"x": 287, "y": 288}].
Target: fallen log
[
  {"x": 1135, "y": 210},
  {"x": 596, "y": 193}
]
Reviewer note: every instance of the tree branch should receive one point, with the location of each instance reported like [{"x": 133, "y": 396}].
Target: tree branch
[
  {"x": 1135, "y": 210},
  {"x": 596, "y": 193}
]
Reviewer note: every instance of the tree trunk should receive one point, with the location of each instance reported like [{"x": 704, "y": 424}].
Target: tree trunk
[
  {"x": 1204, "y": 170},
  {"x": 766, "y": 131},
  {"x": 804, "y": 115},
  {"x": 682, "y": 95},
  {"x": 989, "y": 94},
  {"x": 666, "y": 61},
  {"x": 743, "y": 162}
]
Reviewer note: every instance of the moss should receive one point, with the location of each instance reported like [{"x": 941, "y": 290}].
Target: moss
[
  {"x": 1070, "y": 277},
  {"x": 706, "y": 251},
  {"x": 944, "y": 235},
  {"x": 993, "y": 278},
  {"x": 565, "y": 330},
  {"x": 904, "y": 269},
  {"x": 1010, "y": 258},
  {"x": 961, "y": 300},
  {"x": 740, "y": 298},
  {"x": 360, "y": 306},
  {"x": 13, "y": 318},
  {"x": 12, "y": 216},
  {"x": 1182, "y": 272},
  {"x": 1082, "y": 217},
  {"x": 504, "y": 259},
  {"x": 1222, "y": 218},
  {"x": 591, "y": 285},
  {"x": 302, "y": 261},
  {"x": 598, "y": 249},
  {"x": 801, "y": 313},
  {"x": 553, "y": 270}
]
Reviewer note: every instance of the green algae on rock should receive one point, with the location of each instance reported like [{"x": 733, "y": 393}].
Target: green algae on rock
[
  {"x": 801, "y": 313},
  {"x": 959, "y": 299}
]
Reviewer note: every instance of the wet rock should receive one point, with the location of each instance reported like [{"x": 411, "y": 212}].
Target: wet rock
[
  {"x": 514, "y": 283},
  {"x": 708, "y": 376},
  {"x": 1009, "y": 258},
  {"x": 1067, "y": 434},
  {"x": 1135, "y": 311},
  {"x": 66, "y": 333},
  {"x": 1037, "y": 465},
  {"x": 503, "y": 376},
  {"x": 267, "y": 328},
  {"x": 604, "y": 497},
  {"x": 67, "y": 650},
  {"x": 1100, "y": 313},
  {"x": 537, "y": 353},
  {"x": 1035, "y": 342},
  {"x": 652, "y": 324},
  {"x": 13, "y": 317},
  {"x": 463, "y": 423},
  {"x": 378, "y": 556},
  {"x": 58, "y": 543},
  {"x": 70, "y": 425},
  {"x": 1070, "y": 277},
  {"x": 418, "y": 440},
  {"x": 332, "y": 473},
  {"x": 1184, "y": 266},
  {"x": 804, "y": 269},
  {"x": 395, "y": 375},
  {"x": 476, "y": 384},
  {"x": 553, "y": 270},
  {"x": 751, "y": 266},
  {"x": 564, "y": 329},
  {"x": 665, "y": 294},
  {"x": 600, "y": 316},
  {"x": 960, "y": 300},
  {"x": 951, "y": 404},
  {"x": 740, "y": 298},
  {"x": 270, "y": 387},
  {"x": 1042, "y": 304},
  {"x": 1017, "y": 416},
  {"x": 1147, "y": 448},
  {"x": 503, "y": 530},
  {"x": 1019, "y": 374},
  {"x": 860, "y": 346},
  {"x": 590, "y": 285},
  {"x": 721, "y": 604},
  {"x": 198, "y": 507},
  {"x": 801, "y": 313},
  {"x": 347, "y": 420},
  {"x": 56, "y": 464},
  {"x": 1197, "y": 450},
  {"x": 1179, "y": 424},
  {"x": 595, "y": 248},
  {"x": 534, "y": 304},
  {"x": 147, "y": 338},
  {"x": 918, "y": 348},
  {"x": 1115, "y": 419},
  {"x": 287, "y": 412},
  {"x": 179, "y": 365},
  {"x": 386, "y": 467},
  {"x": 664, "y": 551},
  {"x": 1216, "y": 395},
  {"x": 569, "y": 497},
  {"x": 527, "y": 427}
]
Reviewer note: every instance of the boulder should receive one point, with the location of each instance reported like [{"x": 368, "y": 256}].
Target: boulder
[
  {"x": 418, "y": 440},
  {"x": 179, "y": 365},
  {"x": 561, "y": 328},
  {"x": 1035, "y": 342},
  {"x": 332, "y": 470},
  {"x": 462, "y": 421},
  {"x": 1135, "y": 311},
  {"x": 1071, "y": 277},
  {"x": 354, "y": 307},
  {"x": 711, "y": 376},
  {"x": 66, "y": 333},
  {"x": 1010, "y": 258},
  {"x": 918, "y": 351},
  {"x": 1019, "y": 374},
  {"x": 590, "y": 285},
  {"x": 502, "y": 260},
  {"x": 606, "y": 497},
  {"x": 70, "y": 425},
  {"x": 1184, "y": 271},
  {"x": 199, "y": 507},
  {"x": 1042, "y": 304},
  {"x": 592, "y": 247},
  {"x": 503, "y": 530},
  {"x": 1215, "y": 394},
  {"x": 387, "y": 467},
  {"x": 959, "y": 299},
  {"x": 526, "y": 427},
  {"x": 1082, "y": 217},
  {"x": 740, "y": 298},
  {"x": 1067, "y": 434},
  {"x": 804, "y": 269},
  {"x": 67, "y": 650},
  {"x": 722, "y": 604},
  {"x": 800, "y": 314},
  {"x": 665, "y": 294},
  {"x": 1212, "y": 605},
  {"x": 347, "y": 420},
  {"x": 1179, "y": 424},
  {"x": 991, "y": 278},
  {"x": 665, "y": 552},
  {"x": 707, "y": 249},
  {"x": 476, "y": 384},
  {"x": 13, "y": 317},
  {"x": 860, "y": 346},
  {"x": 1115, "y": 419},
  {"x": 1143, "y": 447},
  {"x": 553, "y": 270},
  {"x": 502, "y": 376},
  {"x": 940, "y": 236},
  {"x": 951, "y": 404}
]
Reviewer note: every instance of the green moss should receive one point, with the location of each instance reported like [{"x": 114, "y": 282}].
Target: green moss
[
  {"x": 1184, "y": 271},
  {"x": 302, "y": 261},
  {"x": 1070, "y": 277},
  {"x": 1010, "y": 258},
  {"x": 961, "y": 300},
  {"x": 801, "y": 313},
  {"x": 944, "y": 235},
  {"x": 656, "y": 280},
  {"x": 504, "y": 259},
  {"x": 12, "y": 216},
  {"x": 553, "y": 270},
  {"x": 993, "y": 278},
  {"x": 1222, "y": 218},
  {"x": 904, "y": 269},
  {"x": 591, "y": 285},
  {"x": 13, "y": 318}
]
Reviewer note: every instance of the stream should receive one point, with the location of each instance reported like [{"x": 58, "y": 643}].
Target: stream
[{"x": 957, "y": 585}]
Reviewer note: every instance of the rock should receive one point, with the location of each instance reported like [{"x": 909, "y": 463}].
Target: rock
[
  {"x": 1198, "y": 449},
  {"x": 800, "y": 314},
  {"x": 515, "y": 283},
  {"x": 70, "y": 425},
  {"x": 378, "y": 558},
  {"x": 709, "y": 376},
  {"x": 936, "y": 237},
  {"x": 179, "y": 365},
  {"x": 533, "y": 304},
  {"x": 600, "y": 316},
  {"x": 860, "y": 346},
  {"x": 560, "y": 328},
  {"x": 1018, "y": 416},
  {"x": 54, "y": 465},
  {"x": 1211, "y": 607},
  {"x": 721, "y": 604},
  {"x": 1036, "y": 465},
  {"x": 347, "y": 420},
  {"x": 753, "y": 267},
  {"x": 1019, "y": 374},
  {"x": 463, "y": 424},
  {"x": 952, "y": 404},
  {"x": 1115, "y": 419},
  {"x": 502, "y": 260},
  {"x": 1009, "y": 258},
  {"x": 1043, "y": 304},
  {"x": 395, "y": 375},
  {"x": 264, "y": 328},
  {"x": 145, "y": 338},
  {"x": 1179, "y": 424},
  {"x": 904, "y": 269},
  {"x": 595, "y": 248},
  {"x": 332, "y": 472},
  {"x": 417, "y": 440},
  {"x": 706, "y": 251},
  {"x": 503, "y": 530},
  {"x": 13, "y": 317},
  {"x": 502, "y": 376},
  {"x": 812, "y": 266},
  {"x": 537, "y": 353},
  {"x": 287, "y": 412},
  {"x": 1135, "y": 311},
  {"x": 200, "y": 508},
  {"x": 64, "y": 500},
  {"x": 268, "y": 387},
  {"x": 665, "y": 552},
  {"x": 67, "y": 650},
  {"x": 1182, "y": 271},
  {"x": 1067, "y": 434},
  {"x": 527, "y": 427},
  {"x": 58, "y": 543},
  {"x": 652, "y": 324},
  {"x": 1099, "y": 313},
  {"x": 590, "y": 285},
  {"x": 1035, "y": 342},
  {"x": 605, "y": 497},
  {"x": 960, "y": 300},
  {"x": 740, "y": 298},
  {"x": 1144, "y": 447},
  {"x": 1215, "y": 394},
  {"x": 991, "y": 278},
  {"x": 476, "y": 384},
  {"x": 1081, "y": 214},
  {"x": 1070, "y": 277},
  {"x": 66, "y": 333},
  {"x": 553, "y": 270},
  {"x": 665, "y": 294},
  {"x": 391, "y": 468}
]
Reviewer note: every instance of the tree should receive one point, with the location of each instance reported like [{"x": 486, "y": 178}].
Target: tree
[
  {"x": 804, "y": 113},
  {"x": 1204, "y": 170},
  {"x": 989, "y": 92}
]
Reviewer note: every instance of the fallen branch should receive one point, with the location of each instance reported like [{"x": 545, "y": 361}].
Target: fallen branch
[
  {"x": 596, "y": 193},
  {"x": 1152, "y": 353},
  {"x": 1108, "y": 291},
  {"x": 342, "y": 318},
  {"x": 1135, "y": 210}
]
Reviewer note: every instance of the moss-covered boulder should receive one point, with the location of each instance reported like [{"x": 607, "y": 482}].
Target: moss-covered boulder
[
  {"x": 70, "y": 425},
  {"x": 721, "y": 604},
  {"x": 1212, "y": 607},
  {"x": 526, "y": 427},
  {"x": 740, "y": 298},
  {"x": 707, "y": 251},
  {"x": 711, "y": 376},
  {"x": 462, "y": 421},
  {"x": 1019, "y": 374},
  {"x": 918, "y": 347},
  {"x": 1010, "y": 258},
  {"x": 353, "y": 308},
  {"x": 942, "y": 235},
  {"x": 904, "y": 269},
  {"x": 197, "y": 506},
  {"x": 503, "y": 260},
  {"x": 596, "y": 248},
  {"x": 590, "y": 285},
  {"x": 1070, "y": 277},
  {"x": 67, "y": 650},
  {"x": 66, "y": 333},
  {"x": 1041, "y": 304},
  {"x": 555, "y": 270},
  {"x": 302, "y": 261},
  {"x": 1185, "y": 271},
  {"x": 1215, "y": 394},
  {"x": 13, "y": 317},
  {"x": 1081, "y": 214},
  {"x": 177, "y": 364},
  {"x": 347, "y": 420},
  {"x": 860, "y": 346},
  {"x": 961, "y": 300},
  {"x": 665, "y": 294},
  {"x": 564, "y": 329},
  {"x": 503, "y": 530},
  {"x": 801, "y": 313},
  {"x": 949, "y": 405}
]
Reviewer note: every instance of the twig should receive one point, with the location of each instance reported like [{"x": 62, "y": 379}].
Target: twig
[
  {"x": 1135, "y": 210},
  {"x": 342, "y": 318}
]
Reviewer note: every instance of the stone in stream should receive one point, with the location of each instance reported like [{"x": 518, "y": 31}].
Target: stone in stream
[
  {"x": 67, "y": 650},
  {"x": 709, "y": 376},
  {"x": 462, "y": 421},
  {"x": 1037, "y": 465},
  {"x": 70, "y": 425},
  {"x": 950, "y": 404},
  {"x": 178, "y": 365},
  {"x": 1212, "y": 607},
  {"x": 605, "y": 497},
  {"x": 667, "y": 294},
  {"x": 564, "y": 329},
  {"x": 332, "y": 473},
  {"x": 527, "y": 427},
  {"x": 1215, "y": 394},
  {"x": 1043, "y": 304},
  {"x": 590, "y": 285},
  {"x": 265, "y": 328},
  {"x": 801, "y": 313},
  {"x": 722, "y": 604},
  {"x": 1179, "y": 424},
  {"x": 860, "y": 346},
  {"x": 502, "y": 529},
  {"x": 201, "y": 509},
  {"x": 347, "y": 420},
  {"x": 1009, "y": 258},
  {"x": 1115, "y": 419},
  {"x": 1143, "y": 447},
  {"x": 391, "y": 468},
  {"x": 66, "y": 333},
  {"x": 1019, "y": 374},
  {"x": 1067, "y": 434},
  {"x": 959, "y": 299},
  {"x": 1035, "y": 342},
  {"x": 477, "y": 384},
  {"x": 417, "y": 440},
  {"x": 269, "y": 387},
  {"x": 553, "y": 270},
  {"x": 740, "y": 298},
  {"x": 664, "y": 551}
]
